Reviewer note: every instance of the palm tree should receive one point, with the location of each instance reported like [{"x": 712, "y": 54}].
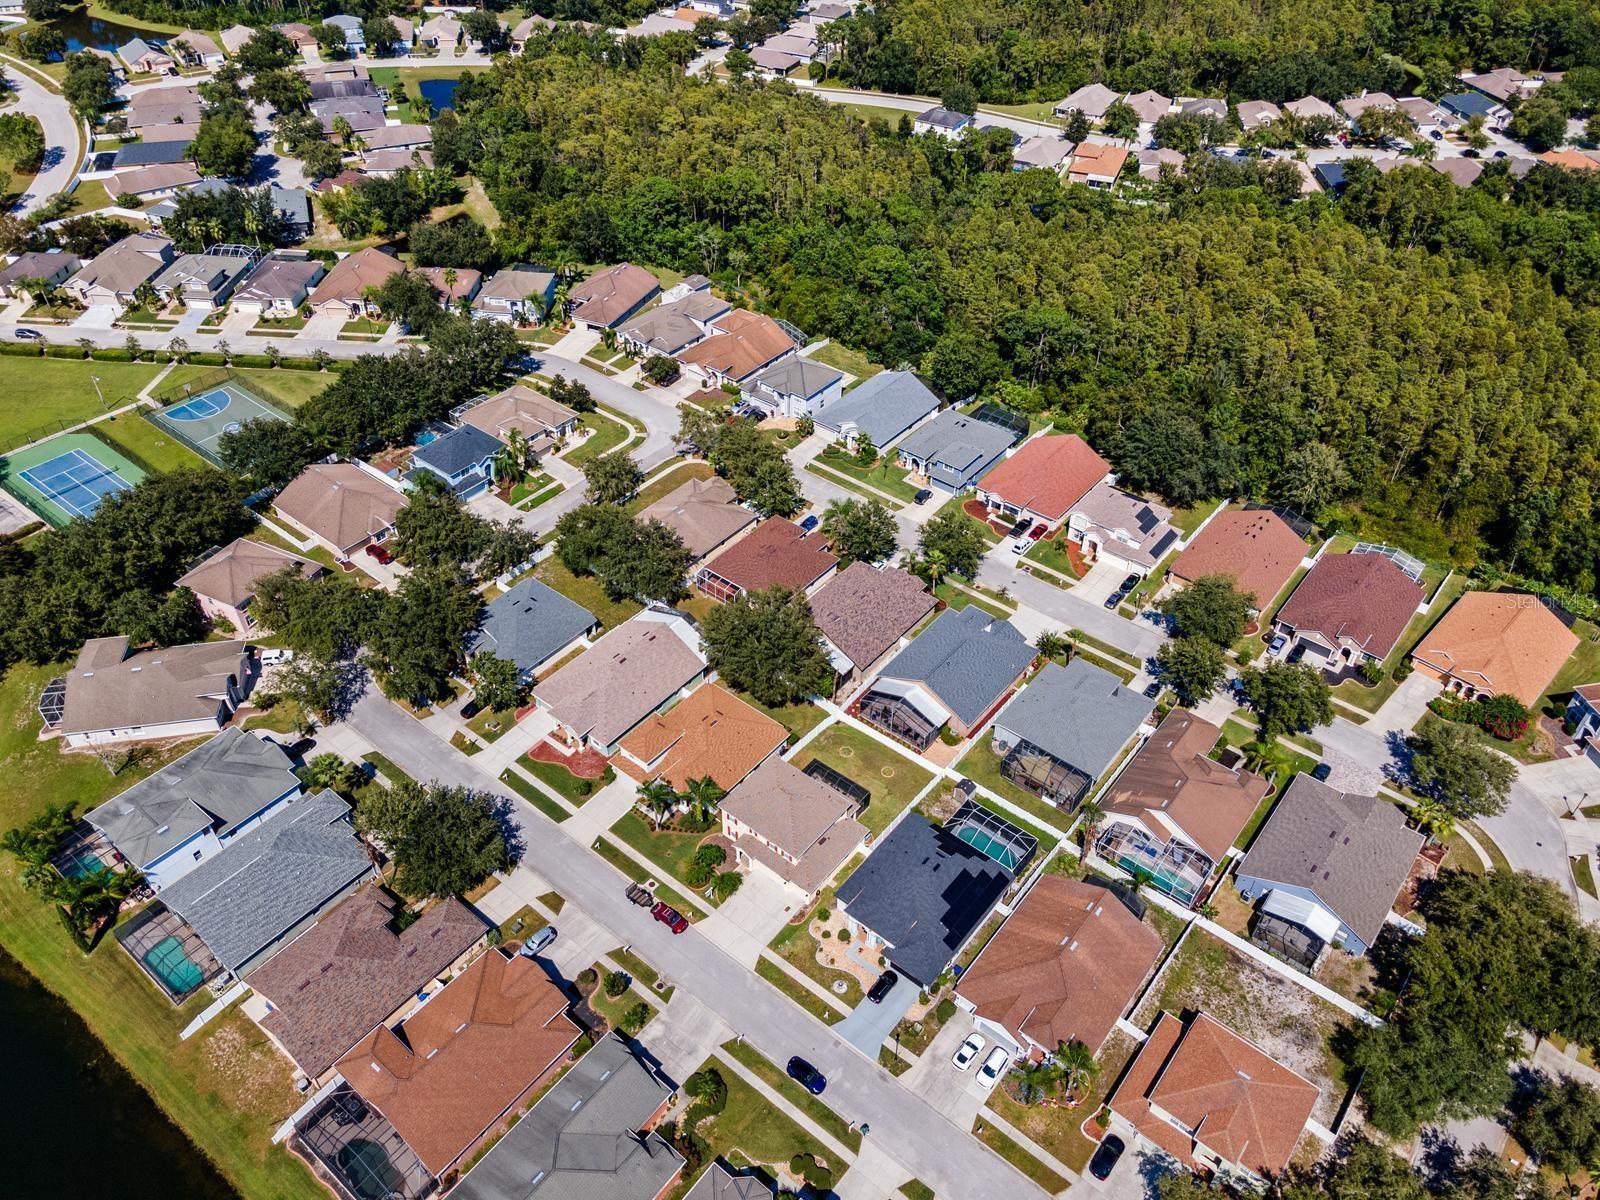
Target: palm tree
[
  {"x": 1038, "y": 1080},
  {"x": 1092, "y": 814},
  {"x": 1434, "y": 818},
  {"x": 342, "y": 130},
  {"x": 659, "y": 799},
  {"x": 1051, "y": 645},
  {"x": 558, "y": 305},
  {"x": 1078, "y": 1067},
  {"x": 703, "y": 795}
]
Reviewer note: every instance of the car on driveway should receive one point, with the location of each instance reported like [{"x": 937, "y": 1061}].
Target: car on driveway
[
  {"x": 670, "y": 917},
  {"x": 993, "y": 1067},
  {"x": 882, "y": 987},
  {"x": 922, "y": 496},
  {"x": 1279, "y": 641},
  {"x": 969, "y": 1050},
  {"x": 807, "y": 1076},
  {"x": 538, "y": 941},
  {"x": 809, "y": 523},
  {"x": 1105, "y": 1158},
  {"x": 378, "y": 552},
  {"x": 1321, "y": 771}
]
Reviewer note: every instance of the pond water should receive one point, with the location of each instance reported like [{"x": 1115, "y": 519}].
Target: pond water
[
  {"x": 84, "y": 32},
  {"x": 75, "y": 1119},
  {"x": 440, "y": 93}
]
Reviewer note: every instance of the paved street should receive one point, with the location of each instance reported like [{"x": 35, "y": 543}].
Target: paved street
[{"x": 63, "y": 136}]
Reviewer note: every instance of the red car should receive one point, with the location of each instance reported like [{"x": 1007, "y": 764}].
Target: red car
[
  {"x": 379, "y": 553},
  {"x": 670, "y": 917}
]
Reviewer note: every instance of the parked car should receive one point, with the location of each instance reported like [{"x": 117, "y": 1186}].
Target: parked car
[
  {"x": 272, "y": 657},
  {"x": 641, "y": 896},
  {"x": 1469, "y": 152},
  {"x": 922, "y": 496},
  {"x": 1021, "y": 527},
  {"x": 1279, "y": 641},
  {"x": 806, "y": 1075},
  {"x": 969, "y": 1050},
  {"x": 29, "y": 335},
  {"x": 1154, "y": 690},
  {"x": 1128, "y": 584},
  {"x": 378, "y": 552},
  {"x": 993, "y": 1067},
  {"x": 1021, "y": 546},
  {"x": 809, "y": 523},
  {"x": 538, "y": 941},
  {"x": 670, "y": 917},
  {"x": 1115, "y": 599},
  {"x": 1105, "y": 1158},
  {"x": 882, "y": 987},
  {"x": 1321, "y": 771}
]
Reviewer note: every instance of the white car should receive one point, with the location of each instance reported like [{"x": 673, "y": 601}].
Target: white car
[
  {"x": 272, "y": 657},
  {"x": 993, "y": 1067},
  {"x": 970, "y": 1049}
]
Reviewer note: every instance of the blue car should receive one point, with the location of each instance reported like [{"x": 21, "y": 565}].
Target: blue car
[
  {"x": 806, "y": 1075},
  {"x": 809, "y": 523}
]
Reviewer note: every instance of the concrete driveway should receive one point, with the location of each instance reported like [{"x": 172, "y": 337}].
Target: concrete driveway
[
  {"x": 868, "y": 1023},
  {"x": 1405, "y": 706},
  {"x": 758, "y": 910},
  {"x": 97, "y": 316},
  {"x": 1100, "y": 581},
  {"x": 323, "y": 326}
]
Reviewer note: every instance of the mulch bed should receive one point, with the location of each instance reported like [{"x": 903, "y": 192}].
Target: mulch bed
[{"x": 585, "y": 764}]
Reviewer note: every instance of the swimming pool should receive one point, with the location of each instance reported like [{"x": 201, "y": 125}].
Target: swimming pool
[{"x": 168, "y": 963}]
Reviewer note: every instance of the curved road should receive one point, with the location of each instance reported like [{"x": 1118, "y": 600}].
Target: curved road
[{"x": 63, "y": 136}]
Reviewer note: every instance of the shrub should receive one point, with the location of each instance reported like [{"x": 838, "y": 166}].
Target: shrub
[
  {"x": 659, "y": 369},
  {"x": 709, "y": 1090},
  {"x": 1402, "y": 670},
  {"x": 586, "y": 978},
  {"x": 1457, "y": 708},
  {"x": 22, "y": 349},
  {"x": 805, "y": 427},
  {"x": 726, "y": 884},
  {"x": 584, "y": 787},
  {"x": 697, "y": 875},
  {"x": 1505, "y": 717},
  {"x": 1372, "y": 672},
  {"x": 945, "y": 1010},
  {"x": 710, "y": 856},
  {"x": 817, "y": 1177},
  {"x": 616, "y": 983},
  {"x": 635, "y": 1018}
]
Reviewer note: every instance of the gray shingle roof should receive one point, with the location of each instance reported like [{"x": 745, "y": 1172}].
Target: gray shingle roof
[
  {"x": 923, "y": 890},
  {"x": 292, "y": 204},
  {"x": 943, "y": 118},
  {"x": 144, "y": 154},
  {"x": 218, "y": 785},
  {"x": 719, "y": 1183},
  {"x": 966, "y": 658},
  {"x": 1354, "y": 852},
  {"x": 1079, "y": 713},
  {"x": 581, "y": 1140},
  {"x": 883, "y": 407},
  {"x": 270, "y": 879},
  {"x": 463, "y": 447},
  {"x": 798, "y": 376},
  {"x": 529, "y": 623},
  {"x": 956, "y": 447}
]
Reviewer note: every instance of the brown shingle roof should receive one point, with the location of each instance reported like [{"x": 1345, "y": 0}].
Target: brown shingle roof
[
  {"x": 519, "y": 407},
  {"x": 450, "y": 1071},
  {"x": 340, "y": 978},
  {"x": 620, "y": 680},
  {"x": 1173, "y": 787},
  {"x": 1364, "y": 598},
  {"x": 341, "y": 503},
  {"x": 108, "y": 688},
  {"x": 1499, "y": 642},
  {"x": 1246, "y": 1106},
  {"x": 744, "y": 343},
  {"x": 1065, "y": 966},
  {"x": 230, "y": 574},
  {"x": 864, "y": 611},
  {"x": 1259, "y": 550},
  {"x": 352, "y": 275},
  {"x": 703, "y": 512},
  {"x": 776, "y": 553},
  {"x": 608, "y": 296},
  {"x": 710, "y": 732},
  {"x": 1047, "y": 475}
]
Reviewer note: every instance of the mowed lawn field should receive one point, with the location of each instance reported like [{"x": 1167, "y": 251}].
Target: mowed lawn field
[{"x": 37, "y": 391}]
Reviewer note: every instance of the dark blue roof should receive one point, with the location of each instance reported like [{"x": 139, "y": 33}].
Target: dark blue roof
[
  {"x": 457, "y": 450},
  {"x": 966, "y": 658},
  {"x": 146, "y": 154},
  {"x": 529, "y": 623},
  {"x": 1469, "y": 104}
]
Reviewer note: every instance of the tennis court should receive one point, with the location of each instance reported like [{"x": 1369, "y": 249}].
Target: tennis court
[
  {"x": 68, "y": 477},
  {"x": 200, "y": 420}
]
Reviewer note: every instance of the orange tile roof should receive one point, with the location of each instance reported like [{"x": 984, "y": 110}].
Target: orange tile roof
[
  {"x": 1572, "y": 160},
  {"x": 446, "y": 1075},
  {"x": 1047, "y": 475},
  {"x": 744, "y": 343},
  {"x": 1259, "y": 550},
  {"x": 1499, "y": 642},
  {"x": 1245, "y": 1106},
  {"x": 711, "y": 732},
  {"x": 1094, "y": 159},
  {"x": 1065, "y": 966}
]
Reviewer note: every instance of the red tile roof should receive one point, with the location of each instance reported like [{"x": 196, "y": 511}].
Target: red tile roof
[
  {"x": 1362, "y": 598},
  {"x": 776, "y": 553},
  {"x": 1259, "y": 550},
  {"x": 1047, "y": 475}
]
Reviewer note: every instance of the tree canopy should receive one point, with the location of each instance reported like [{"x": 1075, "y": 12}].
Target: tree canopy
[
  {"x": 766, "y": 644},
  {"x": 444, "y": 841}
]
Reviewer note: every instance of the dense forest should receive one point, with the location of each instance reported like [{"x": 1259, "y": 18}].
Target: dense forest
[{"x": 1441, "y": 340}]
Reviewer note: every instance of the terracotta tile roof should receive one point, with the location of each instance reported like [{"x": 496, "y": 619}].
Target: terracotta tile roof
[
  {"x": 350, "y": 277},
  {"x": 1091, "y": 160},
  {"x": 1259, "y": 549},
  {"x": 864, "y": 611},
  {"x": 448, "y": 1074},
  {"x": 336, "y": 981},
  {"x": 1047, "y": 475},
  {"x": 1499, "y": 642},
  {"x": 341, "y": 503},
  {"x": 1172, "y": 787},
  {"x": 1361, "y": 598},
  {"x": 608, "y": 296},
  {"x": 1065, "y": 966},
  {"x": 1570, "y": 159},
  {"x": 710, "y": 732},
  {"x": 744, "y": 343},
  {"x": 776, "y": 553},
  {"x": 703, "y": 512},
  {"x": 231, "y": 573},
  {"x": 466, "y": 281},
  {"x": 1246, "y": 1107}
]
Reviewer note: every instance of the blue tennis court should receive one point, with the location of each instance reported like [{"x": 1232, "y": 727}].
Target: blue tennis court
[{"x": 75, "y": 482}]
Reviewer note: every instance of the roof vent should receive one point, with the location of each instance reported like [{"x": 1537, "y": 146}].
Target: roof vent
[
  {"x": 1244, "y": 1075},
  {"x": 461, "y": 1026},
  {"x": 432, "y": 1052},
  {"x": 164, "y": 829}
]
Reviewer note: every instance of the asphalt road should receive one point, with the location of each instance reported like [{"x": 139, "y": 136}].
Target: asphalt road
[
  {"x": 902, "y": 1124},
  {"x": 63, "y": 137}
]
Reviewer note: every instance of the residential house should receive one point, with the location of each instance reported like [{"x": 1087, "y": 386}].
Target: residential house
[
  {"x": 1502, "y": 84},
  {"x": 1150, "y": 106},
  {"x": 1569, "y": 159},
  {"x": 398, "y": 137},
  {"x": 1092, "y": 100},
  {"x": 1097, "y": 166},
  {"x": 269, "y": 883},
  {"x": 919, "y": 896},
  {"x": 771, "y": 63},
  {"x": 225, "y": 581},
  {"x": 1152, "y": 160},
  {"x": 235, "y": 37},
  {"x": 293, "y": 206},
  {"x": 795, "y": 387},
  {"x": 1429, "y": 119},
  {"x": 344, "y": 288},
  {"x": 1466, "y": 105},
  {"x": 880, "y": 409},
  {"x": 277, "y": 287},
  {"x": 159, "y": 152},
  {"x": 1353, "y": 106},
  {"x": 151, "y": 183},
  {"x": 1255, "y": 114},
  {"x": 354, "y": 970},
  {"x": 463, "y": 460},
  {"x": 533, "y": 626},
  {"x": 405, "y": 30},
  {"x": 670, "y": 329},
  {"x": 195, "y": 49},
  {"x": 362, "y": 113},
  {"x": 442, "y": 29},
  {"x": 450, "y": 1074},
  {"x": 951, "y": 452},
  {"x": 865, "y": 613},
  {"x": 202, "y": 282},
  {"x": 522, "y": 292},
  {"x": 777, "y": 553},
  {"x": 1463, "y": 172},
  {"x": 829, "y": 12},
  {"x": 1350, "y": 609},
  {"x": 383, "y": 163},
  {"x": 1065, "y": 967},
  {"x": 355, "y": 41},
  {"x": 942, "y": 121},
  {"x": 792, "y": 825},
  {"x": 299, "y": 33},
  {"x": 744, "y": 344},
  {"x": 1497, "y": 643},
  {"x": 454, "y": 284},
  {"x": 1043, "y": 153},
  {"x": 704, "y": 513},
  {"x": 141, "y": 58},
  {"x": 159, "y": 108},
  {"x": 524, "y": 30},
  {"x": 1174, "y": 813},
  {"x": 710, "y": 733},
  {"x": 1066, "y": 729},
  {"x": 1214, "y": 1101},
  {"x": 1256, "y": 548},
  {"x": 347, "y": 178},
  {"x": 1327, "y": 866},
  {"x": 589, "y": 1136},
  {"x": 167, "y": 824},
  {"x": 795, "y": 41},
  {"x": 954, "y": 673},
  {"x": 636, "y": 669},
  {"x": 114, "y": 694},
  {"x": 1332, "y": 178},
  {"x": 1583, "y": 710},
  {"x": 1311, "y": 106},
  {"x": 112, "y": 276},
  {"x": 520, "y": 409},
  {"x": 1120, "y": 527},
  {"x": 1203, "y": 106},
  {"x": 609, "y": 297},
  {"x": 720, "y": 1183},
  {"x": 1043, "y": 480},
  {"x": 341, "y": 506},
  {"x": 49, "y": 268}
]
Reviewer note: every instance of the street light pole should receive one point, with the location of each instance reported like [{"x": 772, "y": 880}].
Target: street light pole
[{"x": 97, "y": 390}]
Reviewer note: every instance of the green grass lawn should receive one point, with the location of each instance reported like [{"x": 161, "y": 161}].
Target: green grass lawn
[
  {"x": 893, "y": 779},
  {"x": 915, "y": 1189},
  {"x": 585, "y": 590},
  {"x": 668, "y": 483},
  {"x": 754, "y": 1130},
  {"x": 982, "y": 765},
  {"x": 1052, "y": 552},
  {"x": 612, "y": 1008},
  {"x": 959, "y": 598},
  {"x": 842, "y": 358},
  {"x": 1187, "y": 520},
  {"x": 623, "y": 862},
  {"x": 668, "y": 849},
  {"x": 533, "y": 795},
  {"x": 607, "y": 436},
  {"x": 42, "y": 391},
  {"x": 1584, "y": 665},
  {"x": 502, "y": 720},
  {"x": 1019, "y": 1158},
  {"x": 851, "y": 485},
  {"x": 798, "y": 719},
  {"x": 286, "y": 388},
  {"x": 884, "y": 475},
  {"x": 567, "y": 785},
  {"x": 801, "y": 995},
  {"x": 145, "y": 442},
  {"x": 386, "y": 767},
  {"x": 91, "y": 196},
  {"x": 769, "y": 1073},
  {"x": 954, "y": 505}
]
